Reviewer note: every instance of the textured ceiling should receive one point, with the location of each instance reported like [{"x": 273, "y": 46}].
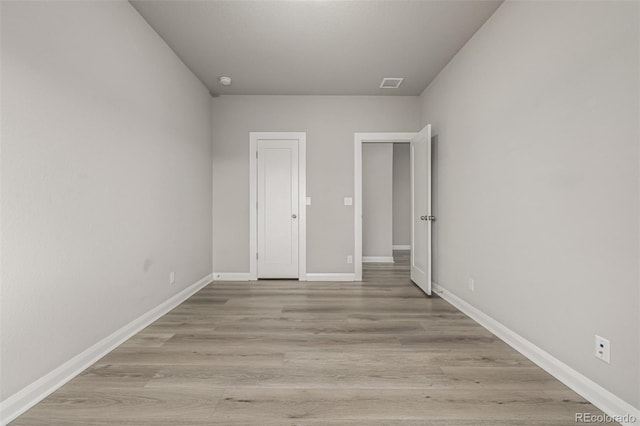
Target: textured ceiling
[{"x": 316, "y": 47}]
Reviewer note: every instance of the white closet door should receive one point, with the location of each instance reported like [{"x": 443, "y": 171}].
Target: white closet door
[{"x": 277, "y": 209}]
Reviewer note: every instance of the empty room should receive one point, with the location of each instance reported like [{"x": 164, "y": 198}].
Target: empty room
[{"x": 320, "y": 212}]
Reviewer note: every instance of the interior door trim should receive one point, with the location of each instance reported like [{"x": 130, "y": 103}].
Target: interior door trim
[{"x": 301, "y": 138}]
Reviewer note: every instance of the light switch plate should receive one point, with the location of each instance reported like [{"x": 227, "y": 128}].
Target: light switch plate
[
  {"x": 348, "y": 201},
  {"x": 308, "y": 201}
]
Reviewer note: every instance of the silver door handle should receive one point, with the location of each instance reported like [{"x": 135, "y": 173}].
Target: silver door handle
[
  {"x": 294, "y": 216},
  {"x": 422, "y": 217}
]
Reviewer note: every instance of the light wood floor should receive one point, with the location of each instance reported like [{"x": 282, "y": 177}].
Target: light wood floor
[{"x": 294, "y": 353}]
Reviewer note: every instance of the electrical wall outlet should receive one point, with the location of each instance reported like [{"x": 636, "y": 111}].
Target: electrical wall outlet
[
  {"x": 603, "y": 349},
  {"x": 471, "y": 284},
  {"x": 172, "y": 277},
  {"x": 348, "y": 201},
  {"x": 349, "y": 259}
]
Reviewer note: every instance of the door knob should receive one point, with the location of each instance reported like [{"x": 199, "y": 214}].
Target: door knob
[
  {"x": 421, "y": 217},
  {"x": 294, "y": 216}
]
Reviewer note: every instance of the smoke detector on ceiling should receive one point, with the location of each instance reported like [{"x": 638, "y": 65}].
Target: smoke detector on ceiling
[
  {"x": 225, "y": 81},
  {"x": 391, "y": 82}
]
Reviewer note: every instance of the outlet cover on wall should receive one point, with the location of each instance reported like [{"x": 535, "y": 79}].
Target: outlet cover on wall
[
  {"x": 603, "y": 349},
  {"x": 349, "y": 259},
  {"x": 172, "y": 277},
  {"x": 471, "y": 284},
  {"x": 348, "y": 201}
]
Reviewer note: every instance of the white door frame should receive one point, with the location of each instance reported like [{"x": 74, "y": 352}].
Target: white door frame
[
  {"x": 301, "y": 138},
  {"x": 359, "y": 139}
]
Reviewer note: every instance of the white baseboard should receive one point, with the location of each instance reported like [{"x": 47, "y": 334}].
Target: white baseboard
[
  {"x": 246, "y": 276},
  {"x": 377, "y": 259},
  {"x": 231, "y": 276},
  {"x": 588, "y": 389},
  {"x": 331, "y": 277},
  {"x": 401, "y": 247},
  {"x": 26, "y": 398}
]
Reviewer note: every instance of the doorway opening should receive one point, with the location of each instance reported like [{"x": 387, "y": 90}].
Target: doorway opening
[
  {"x": 386, "y": 209},
  {"x": 421, "y": 215},
  {"x": 359, "y": 140}
]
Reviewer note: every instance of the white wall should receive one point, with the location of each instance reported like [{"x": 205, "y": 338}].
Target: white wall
[
  {"x": 106, "y": 179},
  {"x": 537, "y": 124},
  {"x": 330, "y": 123},
  {"x": 401, "y": 194},
  {"x": 377, "y": 200}
]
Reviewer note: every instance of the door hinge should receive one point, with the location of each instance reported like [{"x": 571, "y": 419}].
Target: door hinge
[
  {"x": 256, "y": 255},
  {"x": 256, "y": 154}
]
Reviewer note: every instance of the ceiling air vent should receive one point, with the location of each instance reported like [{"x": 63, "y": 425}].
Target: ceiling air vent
[{"x": 391, "y": 82}]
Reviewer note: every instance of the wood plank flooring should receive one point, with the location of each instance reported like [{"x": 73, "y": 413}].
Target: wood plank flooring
[{"x": 294, "y": 353}]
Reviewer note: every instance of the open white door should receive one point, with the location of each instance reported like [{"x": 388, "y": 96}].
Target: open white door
[{"x": 421, "y": 216}]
